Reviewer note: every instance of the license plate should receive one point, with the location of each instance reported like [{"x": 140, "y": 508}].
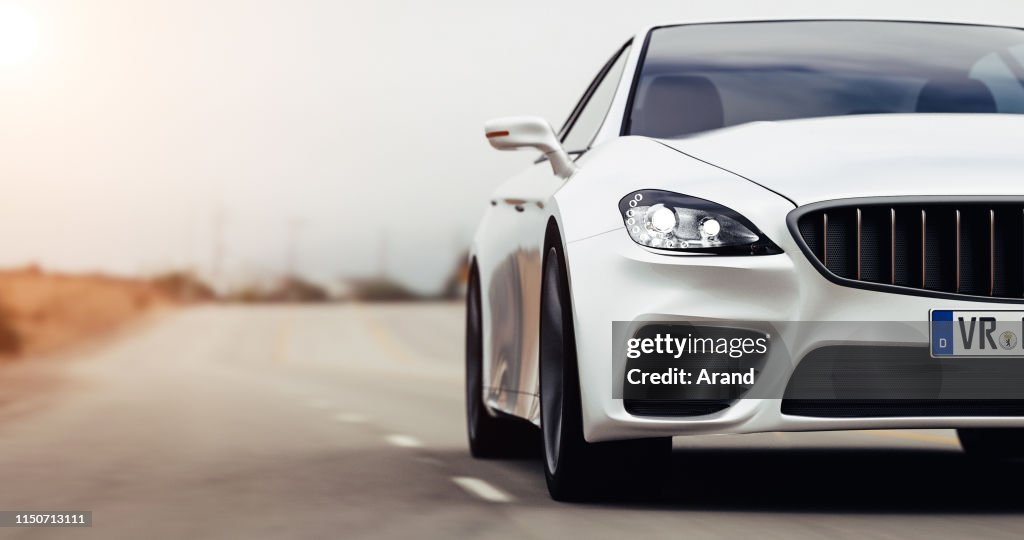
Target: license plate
[{"x": 977, "y": 333}]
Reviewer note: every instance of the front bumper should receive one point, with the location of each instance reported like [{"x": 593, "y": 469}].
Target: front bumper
[{"x": 613, "y": 279}]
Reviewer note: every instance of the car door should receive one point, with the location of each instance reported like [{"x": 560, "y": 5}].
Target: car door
[{"x": 512, "y": 290}]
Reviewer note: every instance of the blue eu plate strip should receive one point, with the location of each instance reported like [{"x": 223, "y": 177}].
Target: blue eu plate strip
[{"x": 942, "y": 333}]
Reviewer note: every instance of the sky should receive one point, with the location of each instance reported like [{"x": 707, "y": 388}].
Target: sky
[{"x": 135, "y": 133}]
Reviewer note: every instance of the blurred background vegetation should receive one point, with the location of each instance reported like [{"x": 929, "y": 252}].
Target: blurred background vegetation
[{"x": 43, "y": 311}]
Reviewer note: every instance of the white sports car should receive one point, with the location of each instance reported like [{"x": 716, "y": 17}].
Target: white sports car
[{"x": 757, "y": 226}]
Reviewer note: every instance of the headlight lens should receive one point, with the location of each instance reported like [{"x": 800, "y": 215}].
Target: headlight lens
[{"x": 676, "y": 222}]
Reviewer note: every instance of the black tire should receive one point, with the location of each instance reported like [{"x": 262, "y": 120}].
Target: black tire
[
  {"x": 992, "y": 443},
  {"x": 489, "y": 436},
  {"x": 575, "y": 469}
]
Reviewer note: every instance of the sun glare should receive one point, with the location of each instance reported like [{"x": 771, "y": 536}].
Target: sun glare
[{"x": 19, "y": 35}]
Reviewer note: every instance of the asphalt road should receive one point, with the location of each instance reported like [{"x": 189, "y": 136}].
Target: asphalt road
[{"x": 347, "y": 422}]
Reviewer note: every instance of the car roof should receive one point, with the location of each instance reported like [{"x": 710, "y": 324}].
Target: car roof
[{"x": 937, "y": 19}]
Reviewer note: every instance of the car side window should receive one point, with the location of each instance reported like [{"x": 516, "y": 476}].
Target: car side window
[{"x": 586, "y": 119}]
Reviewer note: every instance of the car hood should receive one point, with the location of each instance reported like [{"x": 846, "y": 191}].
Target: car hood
[{"x": 872, "y": 155}]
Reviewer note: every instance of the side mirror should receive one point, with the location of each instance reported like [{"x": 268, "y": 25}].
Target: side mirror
[{"x": 515, "y": 132}]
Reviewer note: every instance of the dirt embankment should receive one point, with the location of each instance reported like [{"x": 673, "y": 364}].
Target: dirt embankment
[{"x": 42, "y": 312}]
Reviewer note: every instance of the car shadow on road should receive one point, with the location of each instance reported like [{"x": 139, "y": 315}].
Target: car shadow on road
[
  {"x": 850, "y": 480},
  {"x": 826, "y": 479}
]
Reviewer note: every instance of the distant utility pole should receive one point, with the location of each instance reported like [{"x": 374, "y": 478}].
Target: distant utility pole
[
  {"x": 217, "y": 261},
  {"x": 382, "y": 254},
  {"x": 294, "y": 229},
  {"x": 188, "y": 253}
]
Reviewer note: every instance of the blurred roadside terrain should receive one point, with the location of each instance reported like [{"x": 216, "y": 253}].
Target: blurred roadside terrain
[{"x": 42, "y": 312}]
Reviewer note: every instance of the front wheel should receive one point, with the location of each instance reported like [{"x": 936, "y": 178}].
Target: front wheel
[
  {"x": 992, "y": 443},
  {"x": 574, "y": 468}
]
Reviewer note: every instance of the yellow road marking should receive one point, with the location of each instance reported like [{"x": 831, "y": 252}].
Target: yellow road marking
[
  {"x": 384, "y": 337},
  {"x": 284, "y": 334}
]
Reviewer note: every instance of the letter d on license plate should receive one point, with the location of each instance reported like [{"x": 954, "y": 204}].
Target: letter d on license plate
[{"x": 977, "y": 333}]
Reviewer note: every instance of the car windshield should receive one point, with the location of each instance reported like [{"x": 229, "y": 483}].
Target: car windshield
[{"x": 696, "y": 78}]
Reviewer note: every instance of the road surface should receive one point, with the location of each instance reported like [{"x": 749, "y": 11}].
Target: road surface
[{"x": 347, "y": 422}]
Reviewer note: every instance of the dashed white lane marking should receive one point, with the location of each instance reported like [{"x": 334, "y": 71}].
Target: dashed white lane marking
[
  {"x": 404, "y": 441},
  {"x": 350, "y": 418},
  {"x": 481, "y": 489}
]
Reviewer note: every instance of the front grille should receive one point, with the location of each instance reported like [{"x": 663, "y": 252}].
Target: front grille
[{"x": 963, "y": 248}]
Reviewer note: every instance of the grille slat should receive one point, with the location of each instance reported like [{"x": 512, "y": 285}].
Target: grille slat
[
  {"x": 1008, "y": 244},
  {"x": 973, "y": 256},
  {"x": 908, "y": 268},
  {"x": 875, "y": 245},
  {"x": 924, "y": 246},
  {"x": 991, "y": 251},
  {"x": 841, "y": 243},
  {"x": 940, "y": 250},
  {"x": 892, "y": 246},
  {"x": 860, "y": 249},
  {"x": 957, "y": 245},
  {"x": 974, "y": 248}
]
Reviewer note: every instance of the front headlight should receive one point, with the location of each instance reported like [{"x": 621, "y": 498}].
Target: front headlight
[{"x": 676, "y": 222}]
